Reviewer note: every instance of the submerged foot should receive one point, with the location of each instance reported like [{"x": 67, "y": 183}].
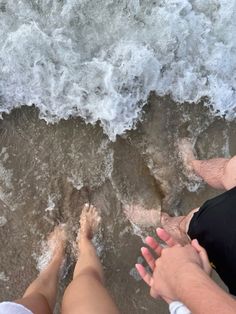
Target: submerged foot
[
  {"x": 56, "y": 241},
  {"x": 186, "y": 153},
  {"x": 142, "y": 217},
  {"x": 89, "y": 221},
  {"x": 53, "y": 249}
]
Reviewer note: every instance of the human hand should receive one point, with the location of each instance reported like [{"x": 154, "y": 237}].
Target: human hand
[
  {"x": 175, "y": 264},
  {"x": 206, "y": 266},
  {"x": 157, "y": 248}
]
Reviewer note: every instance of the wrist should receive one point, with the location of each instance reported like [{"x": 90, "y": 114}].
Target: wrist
[{"x": 195, "y": 285}]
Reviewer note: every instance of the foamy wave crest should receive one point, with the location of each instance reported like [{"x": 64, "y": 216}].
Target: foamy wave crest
[{"x": 100, "y": 59}]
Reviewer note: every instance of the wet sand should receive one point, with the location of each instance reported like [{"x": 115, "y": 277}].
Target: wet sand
[{"x": 49, "y": 171}]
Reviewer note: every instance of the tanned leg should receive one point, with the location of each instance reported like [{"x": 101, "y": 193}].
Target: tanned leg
[
  {"x": 40, "y": 296},
  {"x": 86, "y": 293},
  {"x": 211, "y": 171},
  {"x": 219, "y": 173}
]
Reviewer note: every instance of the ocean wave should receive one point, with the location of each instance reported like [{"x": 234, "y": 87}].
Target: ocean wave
[{"x": 100, "y": 59}]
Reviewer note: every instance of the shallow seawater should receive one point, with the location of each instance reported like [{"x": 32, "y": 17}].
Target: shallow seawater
[
  {"x": 49, "y": 171},
  {"x": 123, "y": 82}
]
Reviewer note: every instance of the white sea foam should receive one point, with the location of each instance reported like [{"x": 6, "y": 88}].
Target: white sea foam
[
  {"x": 3, "y": 276},
  {"x": 3, "y": 221},
  {"x": 51, "y": 205},
  {"x": 100, "y": 59}
]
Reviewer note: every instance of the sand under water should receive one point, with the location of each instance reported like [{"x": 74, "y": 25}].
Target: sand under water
[
  {"x": 89, "y": 66},
  {"x": 49, "y": 171}
]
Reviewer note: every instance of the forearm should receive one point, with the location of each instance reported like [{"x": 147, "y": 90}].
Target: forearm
[{"x": 202, "y": 295}]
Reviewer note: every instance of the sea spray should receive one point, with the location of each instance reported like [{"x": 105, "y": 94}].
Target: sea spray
[{"x": 100, "y": 59}]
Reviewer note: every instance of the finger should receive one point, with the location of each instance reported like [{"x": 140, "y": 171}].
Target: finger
[
  {"x": 144, "y": 274},
  {"x": 154, "y": 245},
  {"x": 203, "y": 255},
  {"x": 148, "y": 257},
  {"x": 154, "y": 293},
  {"x": 166, "y": 237}
]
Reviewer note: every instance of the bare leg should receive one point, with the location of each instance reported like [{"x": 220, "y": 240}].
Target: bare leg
[
  {"x": 220, "y": 173},
  {"x": 40, "y": 296},
  {"x": 86, "y": 293},
  {"x": 212, "y": 171}
]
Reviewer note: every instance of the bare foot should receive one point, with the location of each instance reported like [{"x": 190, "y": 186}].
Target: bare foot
[
  {"x": 54, "y": 248},
  {"x": 143, "y": 217},
  {"x": 89, "y": 222},
  {"x": 187, "y": 153}
]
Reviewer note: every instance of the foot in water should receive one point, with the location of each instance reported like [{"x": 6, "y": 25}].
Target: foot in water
[
  {"x": 187, "y": 154},
  {"x": 142, "y": 217},
  {"x": 54, "y": 249},
  {"x": 89, "y": 222}
]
